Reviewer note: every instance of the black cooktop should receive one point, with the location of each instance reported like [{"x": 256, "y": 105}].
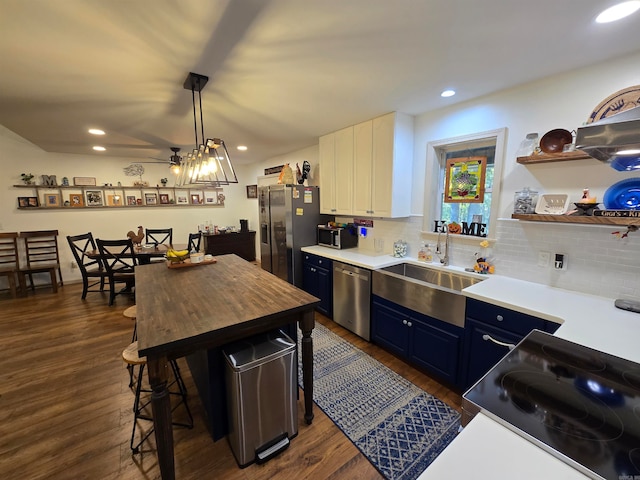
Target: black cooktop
[{"x": 579, "y": 404}]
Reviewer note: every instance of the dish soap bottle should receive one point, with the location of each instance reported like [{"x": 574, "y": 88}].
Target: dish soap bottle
[
  {"x": 422, "y": 253},
  {"x": 429, "y": 256}
]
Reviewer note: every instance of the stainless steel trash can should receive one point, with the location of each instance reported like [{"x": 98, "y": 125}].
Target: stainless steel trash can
[{"x": 260, "y": 377}]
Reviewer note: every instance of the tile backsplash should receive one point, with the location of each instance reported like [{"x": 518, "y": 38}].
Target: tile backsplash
[{"x": 598, "y": 262}]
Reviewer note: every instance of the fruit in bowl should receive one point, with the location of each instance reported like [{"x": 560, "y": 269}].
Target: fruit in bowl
[{"x": 177, "y": 256}]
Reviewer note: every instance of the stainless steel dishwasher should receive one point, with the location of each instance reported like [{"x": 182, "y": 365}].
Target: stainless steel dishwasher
[{"x": 352, "y": 298}]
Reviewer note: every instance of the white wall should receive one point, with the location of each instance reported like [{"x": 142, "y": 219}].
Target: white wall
[{"x": 20, "y": 156}]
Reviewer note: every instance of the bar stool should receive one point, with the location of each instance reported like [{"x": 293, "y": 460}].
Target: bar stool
[
  {"x": 132, "y": 313},
  {"x": 131, "y": 357}
]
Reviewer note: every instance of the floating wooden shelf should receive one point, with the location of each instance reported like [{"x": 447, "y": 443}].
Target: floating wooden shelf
[
  {"x": 534, "y": 217},
  {"x": 553, "y": 157}
]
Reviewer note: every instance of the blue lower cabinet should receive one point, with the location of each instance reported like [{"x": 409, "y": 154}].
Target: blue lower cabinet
[
  {"x": 317, "y": 279},
  {"x": 489, "y": 330},
  {"x": 423, "y": 341}
]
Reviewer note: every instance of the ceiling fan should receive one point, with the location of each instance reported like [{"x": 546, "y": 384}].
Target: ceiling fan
[{"x": 175, "y": 160}]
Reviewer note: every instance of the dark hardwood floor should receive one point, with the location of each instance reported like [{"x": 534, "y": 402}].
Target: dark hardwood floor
[{"x": 66, "y": 407}]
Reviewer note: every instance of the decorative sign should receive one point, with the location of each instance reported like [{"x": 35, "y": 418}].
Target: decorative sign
[
  {"x": 49, "y": 180},
  {"x": 465, "y": 180},
  {"x": 84, "y": 181},
  {"x": 362, "y": 222},
  {"x": 473, "y": 229},
  {"x": 272, "y": 170},
  {"x": 617, "y": 213}
]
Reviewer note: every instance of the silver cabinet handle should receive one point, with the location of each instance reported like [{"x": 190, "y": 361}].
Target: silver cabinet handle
[
  {"x": 409, "y": 324},
  {"x": 486, "y": 337},
  {"x": 404, "y": 322},
  {"x": 499, "y": 318}
]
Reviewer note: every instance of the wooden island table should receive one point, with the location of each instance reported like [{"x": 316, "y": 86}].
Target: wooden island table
[{"x": 182, "y": 310}]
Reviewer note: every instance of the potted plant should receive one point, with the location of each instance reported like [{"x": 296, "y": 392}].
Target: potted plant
[
  {"x": 164, "y": 181},
  {"x": 27, "y": 178}
]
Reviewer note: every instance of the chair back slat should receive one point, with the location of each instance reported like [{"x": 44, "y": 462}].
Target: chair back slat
[
  {"x": 81, "y": 246},
  {"x": 117, "y": 256},
  {"x": 194, "y": 242},
  {"x": 9, "y": 251},
  {"x": 159, "y": 236},
  {"x": 41, "y": 248}
]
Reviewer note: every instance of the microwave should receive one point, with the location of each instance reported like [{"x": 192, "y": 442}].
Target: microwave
[{"x": 337, "y": 237}]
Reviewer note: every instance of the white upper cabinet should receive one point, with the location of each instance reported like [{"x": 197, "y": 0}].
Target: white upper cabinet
[
  {"x": 391, "y": 165},
  {"x": 365, "y": 170},
  {"x": 336, "y": 172},
  {"x": 362, "y": 164}
]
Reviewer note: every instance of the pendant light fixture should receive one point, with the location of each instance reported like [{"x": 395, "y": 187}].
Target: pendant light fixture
[{"x": 209, "y": 163}]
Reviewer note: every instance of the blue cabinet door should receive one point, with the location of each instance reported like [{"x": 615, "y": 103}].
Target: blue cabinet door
[
  {"x": 325, "y": 291},
  {"x": 435, "y": 346},
  {"x": 482, "y": 350},
  {"x": 389, "y": 327}
]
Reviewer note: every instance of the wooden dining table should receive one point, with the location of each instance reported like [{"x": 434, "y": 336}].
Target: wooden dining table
[{"x": 183, "y": 310}]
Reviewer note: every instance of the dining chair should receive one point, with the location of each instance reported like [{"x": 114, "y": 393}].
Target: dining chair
[
  {"x": 90, "y": 268},
  {"x": 159, "y": 235},
  {"x": 193, "y": 245},
  {"x": 120, "y": 261},
  {"x": 41, "y": 251},
  {"x": 141, "y": 405},
  {"x": 9, "y": 259}
]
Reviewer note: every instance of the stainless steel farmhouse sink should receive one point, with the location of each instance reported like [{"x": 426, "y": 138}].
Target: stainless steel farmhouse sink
[{"x": 430, "y": 291}]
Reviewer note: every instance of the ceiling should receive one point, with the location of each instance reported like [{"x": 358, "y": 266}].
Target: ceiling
[{"x": 282, "y": 72}]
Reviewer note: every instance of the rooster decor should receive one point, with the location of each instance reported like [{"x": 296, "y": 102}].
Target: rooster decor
[{"x": 136, "y": 238}]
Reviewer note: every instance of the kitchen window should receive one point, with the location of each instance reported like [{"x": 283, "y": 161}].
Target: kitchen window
[{"x": 486, "y": 144}]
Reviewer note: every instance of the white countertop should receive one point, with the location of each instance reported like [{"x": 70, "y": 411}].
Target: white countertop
[{"x": 486, "y": 449}]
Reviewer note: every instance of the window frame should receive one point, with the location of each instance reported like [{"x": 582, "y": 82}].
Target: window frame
[{"x": 435, "y": 171}]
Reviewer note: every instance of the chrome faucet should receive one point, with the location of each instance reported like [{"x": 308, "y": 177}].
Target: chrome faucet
[{"x": 445, "y": 259}]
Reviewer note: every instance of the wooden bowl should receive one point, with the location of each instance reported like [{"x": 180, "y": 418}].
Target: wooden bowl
[{"x": 554, "y": 140}]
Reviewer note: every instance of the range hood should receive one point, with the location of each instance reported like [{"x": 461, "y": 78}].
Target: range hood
[{"x": 615, "y": 140}]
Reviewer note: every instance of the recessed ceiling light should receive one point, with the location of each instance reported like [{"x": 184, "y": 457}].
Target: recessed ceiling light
[
  {"x": 448, "y": 93},
  {"x": 242, "y": 148},
  {"x": 98, "y": 148},
  {"x": 96, "y": 131},
  {"x": 618, "y": 11}
]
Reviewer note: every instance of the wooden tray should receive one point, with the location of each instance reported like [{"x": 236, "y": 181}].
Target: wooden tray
[{"x": 187, "y": 263}]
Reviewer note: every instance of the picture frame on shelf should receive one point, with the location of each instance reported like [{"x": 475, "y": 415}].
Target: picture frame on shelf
[
  {"x": 28, "y": 202},
  {"x": 150, "y": 199},
  {"x": 94, "y": 198},
  {"x": 84, "y": 181},
  {"x": 138, "y": 201},
  {"x": 114, "y": 200},
  {"x": 252, "y": 191},
  {"x": 131, "y": 200},
  {"x": 195, "y": 199},
  {"x": 182, "y": 199},
  {"x": 210, "y": 198},
  {"x": 76, "y": 200},
  {"x": 51, "y": 199},
  {"x": 164, "y": 198}
]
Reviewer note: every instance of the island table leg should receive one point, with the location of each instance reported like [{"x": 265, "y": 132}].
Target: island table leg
[
  {"x": 306, "y": 325},
  {"x": 158, "y": 369}
]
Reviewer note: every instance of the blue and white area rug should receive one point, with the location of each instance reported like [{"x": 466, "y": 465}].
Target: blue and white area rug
[{"x": 399, "y": 427}]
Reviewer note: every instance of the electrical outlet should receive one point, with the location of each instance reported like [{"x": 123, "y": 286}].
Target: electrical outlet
[
  {"x": 543, "y": 259},
  {"x": 74, "y": 264},
  {"x": 560, "y": 261}
]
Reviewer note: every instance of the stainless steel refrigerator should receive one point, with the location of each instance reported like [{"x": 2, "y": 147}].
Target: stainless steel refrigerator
[{"x": 289, "y": 217}]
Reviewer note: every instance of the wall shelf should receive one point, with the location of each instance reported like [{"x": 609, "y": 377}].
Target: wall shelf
[
  {"x": 534, "y": 217},
  {"x": 553, "y": 157},
  {"x": 143, "y": 196}
]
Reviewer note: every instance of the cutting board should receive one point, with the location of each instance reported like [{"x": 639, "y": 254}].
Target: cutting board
[{"x": 187, "y": 263}]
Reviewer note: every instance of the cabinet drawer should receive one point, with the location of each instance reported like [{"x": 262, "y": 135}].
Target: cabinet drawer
[
  {"x": 316, "y": 260},
  {"x": 503, "y": 318}
]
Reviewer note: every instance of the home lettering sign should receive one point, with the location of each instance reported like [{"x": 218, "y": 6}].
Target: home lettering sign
[{"x": 473, "y": 229}]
